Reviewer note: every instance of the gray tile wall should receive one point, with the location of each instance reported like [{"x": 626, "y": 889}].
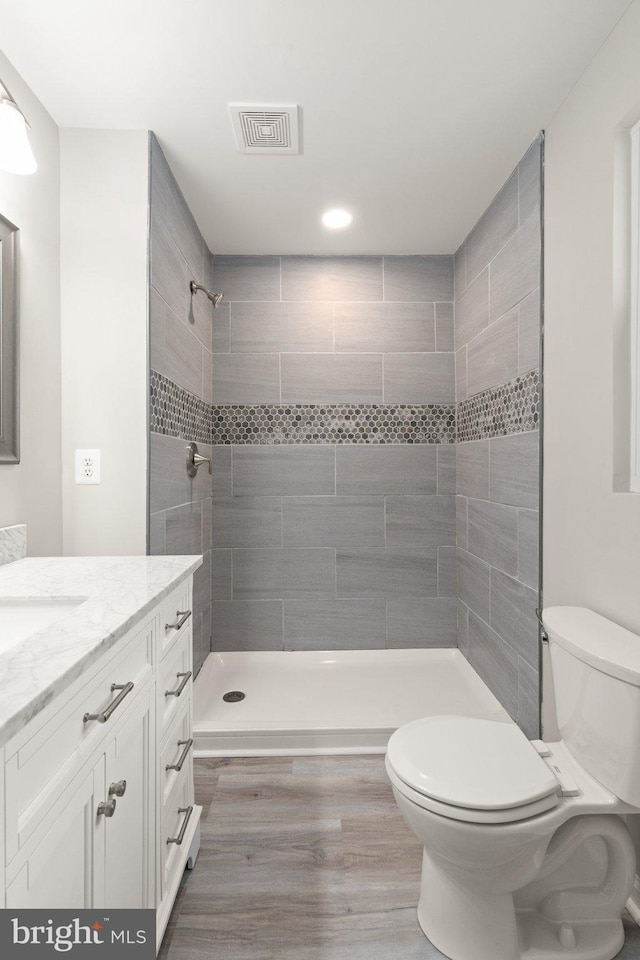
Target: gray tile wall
[
  {"x": 180, "y": 345},
  {"x": 497, "y": 337},
  {"x": 334, "y": 546}
]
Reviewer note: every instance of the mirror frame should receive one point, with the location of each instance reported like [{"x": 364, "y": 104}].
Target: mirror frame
[{"x": 9, "y": 369}]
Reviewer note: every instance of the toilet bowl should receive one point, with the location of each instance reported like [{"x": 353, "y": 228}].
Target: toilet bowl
[{"x": 526, "y": 854}]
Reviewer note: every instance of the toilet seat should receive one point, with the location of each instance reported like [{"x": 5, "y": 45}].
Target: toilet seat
[
  {"x": 466, "y": 814},
  {"x": 465, "y": 768}
]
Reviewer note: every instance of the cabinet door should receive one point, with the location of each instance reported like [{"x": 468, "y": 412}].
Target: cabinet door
[
  {"x": 59, "y": 872},
  {"x": 129, "y": 833}
]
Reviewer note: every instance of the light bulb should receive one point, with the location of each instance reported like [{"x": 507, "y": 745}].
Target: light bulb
[{"x": 336, "y": 219}]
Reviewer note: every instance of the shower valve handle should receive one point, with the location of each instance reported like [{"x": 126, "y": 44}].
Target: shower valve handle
[{"x": 194, "y": 460}]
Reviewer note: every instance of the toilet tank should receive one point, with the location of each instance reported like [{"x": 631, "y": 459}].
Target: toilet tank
[{"x": 595, "y": 667}]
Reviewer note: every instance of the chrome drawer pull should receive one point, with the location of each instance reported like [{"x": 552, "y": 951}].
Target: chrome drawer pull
[
  {"x": 183, "y": 756},
  {"x": 118, "y": 789},
  {"x": 126, "y": 689},
  {"x": 183, "y": 828},
  {"x": 183, "y": 616},
  {"x": 107, "y": 808},
  {"x": 178, "y": 690}
]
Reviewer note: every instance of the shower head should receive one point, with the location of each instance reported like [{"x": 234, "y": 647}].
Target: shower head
[{"x": 214, "y": 297}]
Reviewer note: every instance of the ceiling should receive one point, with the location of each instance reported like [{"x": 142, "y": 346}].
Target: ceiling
[{"x": 414, "y": 112}]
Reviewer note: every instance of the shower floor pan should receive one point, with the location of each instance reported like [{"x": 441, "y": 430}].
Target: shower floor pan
[{"x": 348, "y": 701}]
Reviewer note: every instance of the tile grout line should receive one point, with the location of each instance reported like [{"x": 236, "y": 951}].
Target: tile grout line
[
  {"x": 282, "y": 602},
  {"x": 384, "y": 511},
  {"x": 386, "y": 624},
  {"x": 333, "y": 327},
  {"x": 281, "y": 522},
  {"x": 518, "y": 337}
]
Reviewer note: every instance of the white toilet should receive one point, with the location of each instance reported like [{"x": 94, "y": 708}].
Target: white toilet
[{"x": 526, "y": 854}]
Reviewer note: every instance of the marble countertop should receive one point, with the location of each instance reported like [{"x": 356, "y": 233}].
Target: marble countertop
[{"x": 119, "y": 592}]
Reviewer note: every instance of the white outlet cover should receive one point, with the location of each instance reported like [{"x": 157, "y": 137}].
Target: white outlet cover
[{"x": 87, "y": 466}]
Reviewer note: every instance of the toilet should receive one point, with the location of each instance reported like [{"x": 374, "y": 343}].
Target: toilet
[{"x": 526, "y": 853}]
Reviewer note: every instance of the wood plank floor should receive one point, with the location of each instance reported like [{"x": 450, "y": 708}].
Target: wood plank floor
[{"x": 303, "y": 859}]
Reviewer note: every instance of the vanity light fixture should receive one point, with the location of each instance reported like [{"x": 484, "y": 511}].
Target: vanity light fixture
[
  {"x": 16, "y": 155},
  {"x": 336, "y": 219}
]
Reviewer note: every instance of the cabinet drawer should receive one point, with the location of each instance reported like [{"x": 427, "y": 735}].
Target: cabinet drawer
[
  {"x": 175, "y": 682},
  {"x": 39, "y": 767},
  {"x": 174, "y": 622},
  {"x": 178, "y": 752},
  {"x": 176, "y": 821}
]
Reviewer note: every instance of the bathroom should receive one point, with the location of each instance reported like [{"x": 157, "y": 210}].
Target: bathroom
[{"x": 381, "y": 422}]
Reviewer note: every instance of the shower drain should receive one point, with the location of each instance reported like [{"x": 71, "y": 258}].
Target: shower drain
[{"x": 234, "y": 696}]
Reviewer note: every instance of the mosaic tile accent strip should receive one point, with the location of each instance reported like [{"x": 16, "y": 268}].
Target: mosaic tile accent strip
[
  {"x": 512, "y": 408},
  {"x": 176, "y": 412},
  {"x": 334, "y": 423}
]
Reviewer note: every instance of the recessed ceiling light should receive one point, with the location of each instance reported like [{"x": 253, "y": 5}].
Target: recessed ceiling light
[{"x": 336, "y": 219}]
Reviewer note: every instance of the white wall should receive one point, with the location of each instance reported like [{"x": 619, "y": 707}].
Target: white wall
[
  {"x": 104, "y": 191},
  {"x": 30, "y": 492},
  {"x": 591, "y": 533}
]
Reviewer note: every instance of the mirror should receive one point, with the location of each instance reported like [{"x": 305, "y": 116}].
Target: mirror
[{"x": 9, "y": 433}]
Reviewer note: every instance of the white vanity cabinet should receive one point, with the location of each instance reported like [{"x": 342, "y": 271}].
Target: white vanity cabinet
[{"x": 99, "y": 808}]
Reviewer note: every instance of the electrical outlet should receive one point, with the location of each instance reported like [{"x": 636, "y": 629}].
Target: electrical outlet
[{"x": 87, "y": 466}]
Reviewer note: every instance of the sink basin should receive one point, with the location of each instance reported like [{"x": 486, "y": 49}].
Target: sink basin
[{"x": 20, "y": 619}]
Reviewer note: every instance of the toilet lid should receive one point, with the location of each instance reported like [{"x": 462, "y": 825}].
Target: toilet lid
[{"x": 472, "y": 763}]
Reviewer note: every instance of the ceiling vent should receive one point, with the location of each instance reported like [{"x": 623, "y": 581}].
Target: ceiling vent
[{"x": 265, "y": 128}]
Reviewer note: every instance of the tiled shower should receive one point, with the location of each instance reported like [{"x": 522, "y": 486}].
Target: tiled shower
[{"x": 375, "y": 469}]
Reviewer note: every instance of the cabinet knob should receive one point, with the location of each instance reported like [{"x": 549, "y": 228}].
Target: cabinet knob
[
  {"x": 107, "y": 808},
  {"x": 118, "y": 789}
]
